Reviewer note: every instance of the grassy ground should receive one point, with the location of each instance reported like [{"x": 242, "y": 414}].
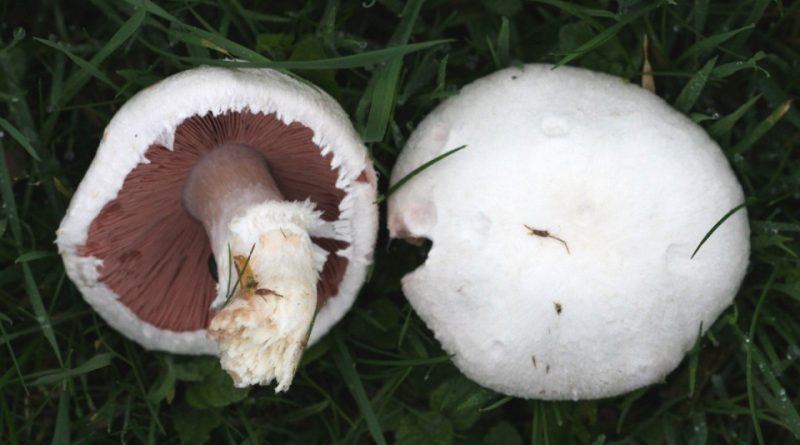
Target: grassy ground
[{"x": 65, "y": 67}]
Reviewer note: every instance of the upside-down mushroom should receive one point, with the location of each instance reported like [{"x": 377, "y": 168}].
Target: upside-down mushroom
[{"x": 227, "y": 211}]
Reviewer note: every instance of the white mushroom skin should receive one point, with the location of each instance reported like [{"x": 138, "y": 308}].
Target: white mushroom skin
[
  {"x": 605, "y": 297},
  {"x": 267, "y": 265}
]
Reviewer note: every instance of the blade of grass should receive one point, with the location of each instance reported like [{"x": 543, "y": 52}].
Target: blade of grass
[
  {"x": 387, "y": 77},
  {"x": 710, "y": 43},
  {"x": 691, "y": 92},
  {"x": 762, "y": 128},
  {"x": 33, "y": 256},
  {"x": 504, "y": 43},
  {"x": 39, "y": 311},
  {"x": 723, "y": 126},
  {"x": 86, "y": 67},
  {"x": 602, "y": 37},
  {"x": 76, "y": 81},
  {"x": 61, "y": 430},
  {"x": 16, "y": 37},
  {"x": 694, "y": 358},
  {"x": 408, "y": 362},
  {"x": 415, "y": 172},
  {"x": 5, "y": 319},
  {"x": 347, "y": 368},
  {"x": 96, "y": 362},
  {"x": 699, "y": 15},
  {"x": 731, "y": 68},
  {"x": 775, "y": 395},
  {"x": 749, "y": 358},
  {"x": 20, "y": 138},
  {"x": 344, "y": 62},
  {"x": 136, "y": 367},
  {"x": 716, "y": 226},
  {"x": 497, "y": 404},
  {"x": 218, "y": 43},
  {"x": 583, "y": 13}
]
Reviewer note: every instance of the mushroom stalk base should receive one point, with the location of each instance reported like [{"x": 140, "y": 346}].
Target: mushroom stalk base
[
  {"x": 267, "y": 265},
  {"x": 268, "y": 279}
]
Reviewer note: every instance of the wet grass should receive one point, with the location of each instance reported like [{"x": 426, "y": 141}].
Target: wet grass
[{"x": 65, "y": 376}]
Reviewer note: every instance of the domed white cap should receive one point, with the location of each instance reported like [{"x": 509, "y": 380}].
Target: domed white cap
[{"x": 562, "y": 235}]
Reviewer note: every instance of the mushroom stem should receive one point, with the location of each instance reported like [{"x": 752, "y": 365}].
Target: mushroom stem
[{"x": 267, "y": 265}]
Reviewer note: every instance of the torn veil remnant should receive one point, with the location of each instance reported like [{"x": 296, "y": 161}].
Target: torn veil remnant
[
  {"x": 598, "y": 295},
  {"x": 235, "y": 164}
]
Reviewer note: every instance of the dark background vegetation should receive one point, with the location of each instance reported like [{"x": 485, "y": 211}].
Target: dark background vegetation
[{"x": 66, "y": 66}]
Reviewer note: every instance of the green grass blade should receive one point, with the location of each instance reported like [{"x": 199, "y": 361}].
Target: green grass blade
[
  {"x": 749, "y": 346},
  {"x": 723, "y": 126},
  {"x": 61, "y": 431},
  {"x": 504, "y": 43},
  {"x": 344, "y": 62},
  {"x": 762, "y": 128},
  {"x": 711, "y": 42},
  {"x": 220, "y": 44},
  {"x": 407, "y": 362},
  {"x": 87, "y": 67},
  {"x": 417, "y": 171},
  {"x": 96, "y": 362},
  {"x": 31, "y": 287},
  {"x": 4, "y": 319},
  {"x": 716, "y": 226},
  {"x": 91, "y": 68},
  {"x": 9, "y": 201},
  {"x": 728, "y": 69},
  {"x": 583, "y": 13},
  {"x": 39, "y": 310},
  {"x": 33, "y": 256},
  {"x": 20, "y": 138},
  {"x": 700, "y": 14},
  {"x": 694, "y": 358},
  {"x": 346, "y": 366},
  {"x": 602, "y": 37},
  {"x": 387, "y": 77},
  {"x": 154, "y": 9},
  {"x": 691, "y": 92}
]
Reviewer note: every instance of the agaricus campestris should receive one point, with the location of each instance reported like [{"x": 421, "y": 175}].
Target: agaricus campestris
[
  {"x": 561, "y": 264},
  {"x": 249, "y": 170}
]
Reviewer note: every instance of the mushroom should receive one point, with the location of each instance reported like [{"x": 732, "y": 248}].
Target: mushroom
[
  {"x": 245, "y": 177},
  {"x": 561, "y": 264}
]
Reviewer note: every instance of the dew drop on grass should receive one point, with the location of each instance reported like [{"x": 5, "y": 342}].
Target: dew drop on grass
[{"x": 793, "y": 352}]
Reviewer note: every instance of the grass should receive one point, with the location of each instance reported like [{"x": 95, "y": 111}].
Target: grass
[{"x": 380, "y": 377}]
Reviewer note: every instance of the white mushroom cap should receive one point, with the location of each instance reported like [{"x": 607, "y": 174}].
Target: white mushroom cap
[
  {"x": 631, "y": 187},
  {"x": 151, "y": 118}
]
